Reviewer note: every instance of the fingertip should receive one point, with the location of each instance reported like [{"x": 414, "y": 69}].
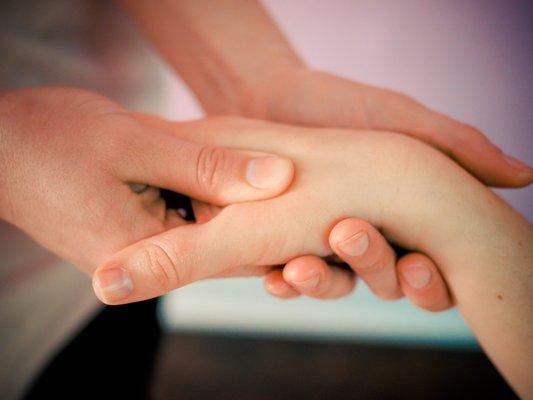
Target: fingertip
[
  {"x": 313, "y": 277},
  {"x": 346, "y": 228},
  {"x": 271, "y": 173},
  {"x": 487, "y": 161},
  {"x": 275, "y": 285},
  {"x": 368, "y": 253},
  {"x": 422, "y": 283},
  {"x": 304, "y": 273},
  {"x": 351, "y": 237},
  {"x": 523, "y": 172},
  {"x": 112, "y": 285}
]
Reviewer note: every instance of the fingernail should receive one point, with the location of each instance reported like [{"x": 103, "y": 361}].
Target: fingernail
[
  {"x": 416, "y": 275},
  {"x": 112, "y": 285},
  {"x": 308, "y": 284},
  {"x": 268, "y": 172},
  {"x": 355, "y": 245},
  {"x": 516, "y": 163}
]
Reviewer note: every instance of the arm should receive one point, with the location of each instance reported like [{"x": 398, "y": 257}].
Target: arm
[
  {"x": 417, "y": 196},
  {"x": 236, "y": 61}
]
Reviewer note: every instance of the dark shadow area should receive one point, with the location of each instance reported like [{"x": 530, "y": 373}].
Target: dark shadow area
[{"x": 215, "y": 367}]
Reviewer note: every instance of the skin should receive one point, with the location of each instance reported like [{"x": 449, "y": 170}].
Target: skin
[
  {"x": 74, "y": 170},
  {"x": 105, "y": 209},
  {"x": 236, "y": 61},
  {"x": 263, "y": 78},
  {"x": 416, "y": 196}
]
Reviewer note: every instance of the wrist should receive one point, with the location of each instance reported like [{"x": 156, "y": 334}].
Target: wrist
[{"x": 262, "y": 95}]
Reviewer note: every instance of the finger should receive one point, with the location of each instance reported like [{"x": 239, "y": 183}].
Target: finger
[
  {"x": 466, "y": 144},
  {"x": 204, "y": 212},
  {"x": 367, "y": 252},
  {"x": 179, "y": 256},
  {"x": 313, "y": 277},
  {"x": 158, "y": 264},
  {"x": 213, "y": 174},
  {"x": 276, "y": 285},
  {"x": 422, "y": 283}
]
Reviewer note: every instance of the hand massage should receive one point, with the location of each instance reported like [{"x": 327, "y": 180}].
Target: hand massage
[{"x": 306, "y": 179}]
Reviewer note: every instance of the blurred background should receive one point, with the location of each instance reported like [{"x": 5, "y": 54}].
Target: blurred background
[{"x": 470, "y": 60}]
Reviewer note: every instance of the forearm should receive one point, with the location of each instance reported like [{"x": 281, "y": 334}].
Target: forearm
[
  {"x": 492, "y": 281},
  {"x": 484, "y": 249},
  {"x": 220, "y": 48}
]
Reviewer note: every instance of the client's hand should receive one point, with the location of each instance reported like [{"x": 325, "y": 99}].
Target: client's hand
[
  {"x": 297, "y": 95},
  {"x": 81, "y": 175},
  {"x": 386, "y": 179},
  {"x": 419, "y": 198},
  {"x": 415, "y": 275}
]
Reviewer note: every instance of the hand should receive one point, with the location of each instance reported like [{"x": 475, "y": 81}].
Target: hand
[
  {"x": 303, "y": 97},
  {"x": 397, "y": 194},
  {"x": 417, "y": 197},
  {"x": 311, "y": 98},
  {"x": 264, "y": 78},
  {"x": 369, "y": 256},
  {"x": 81, "y": 174}
]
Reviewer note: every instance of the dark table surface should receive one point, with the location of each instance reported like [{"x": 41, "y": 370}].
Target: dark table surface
[
  {"x": 123, "y": 354},
  {"x": 192, "y": 366}
]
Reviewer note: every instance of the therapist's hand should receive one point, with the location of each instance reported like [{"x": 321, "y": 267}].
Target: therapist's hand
[
  {"x": 80, "y": 174},
  {"x": 237, "y": 61},
  {"x": 299, "y": 96}
]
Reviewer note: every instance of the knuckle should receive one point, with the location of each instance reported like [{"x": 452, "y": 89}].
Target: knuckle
[
  {"x": 211, "y": 164},
  {"x": 259, "y": 249},
  {"x": 162, "y": 266}
]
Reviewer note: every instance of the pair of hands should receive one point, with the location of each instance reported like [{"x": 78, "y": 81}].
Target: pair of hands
[
  {"x": 236, "y": 61},
  {"x": 88, "y": 216},
  {"x": 80, "y": 175}
]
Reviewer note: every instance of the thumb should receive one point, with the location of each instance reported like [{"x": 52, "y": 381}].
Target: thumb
[
  {"x": 179, "y": 256},
  {"x": 213, "y": 174},
  {"x": 161, "y": 263}
]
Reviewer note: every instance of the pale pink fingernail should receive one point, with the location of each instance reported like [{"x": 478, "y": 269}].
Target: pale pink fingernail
[
  {"x": 112, "y": 285},
  {"x": 416, "y": 275},
  {"x": 308, "y": 284},
  {"x": 355, "y": 245},
  {"x": 268, "y": 172}
]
